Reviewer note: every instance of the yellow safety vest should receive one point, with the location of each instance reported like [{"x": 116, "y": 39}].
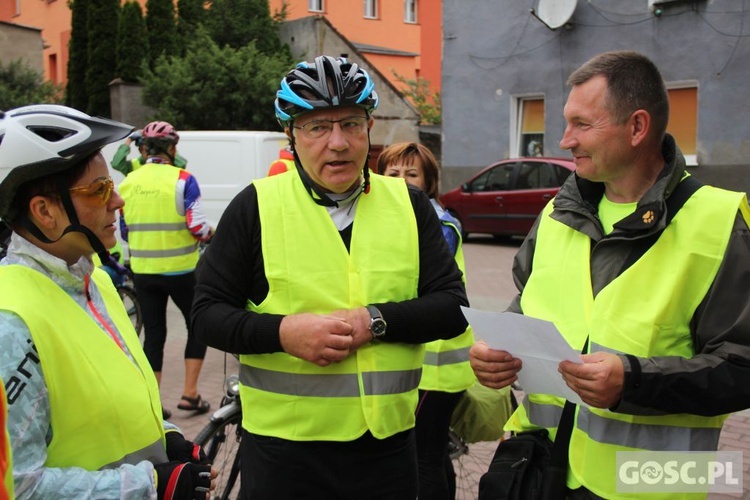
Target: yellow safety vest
[
  {"x": 136, "y": 163},
  {"x": 159, "y": 239},
  {"x": 646, "y": 312},
  {"x": 446, "y": 362},
  {"x": 105, "y": 411},
  {"x": 309, "y": 270},
  {"x": 6, "y": 455}
]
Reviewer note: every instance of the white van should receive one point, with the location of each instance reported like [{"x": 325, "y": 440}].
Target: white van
[{"x": 223, "y": 161}]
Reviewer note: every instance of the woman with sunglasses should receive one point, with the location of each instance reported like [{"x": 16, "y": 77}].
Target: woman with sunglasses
[{"x": 84, "y": 414}]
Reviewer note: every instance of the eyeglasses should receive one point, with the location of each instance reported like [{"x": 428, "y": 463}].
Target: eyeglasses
[
  {"x": 317, "y": 129},
  {"x": 98, "y": 191}
]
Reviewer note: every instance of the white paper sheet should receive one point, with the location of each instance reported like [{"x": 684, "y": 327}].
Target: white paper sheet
[{"x": 536, "y": 342}]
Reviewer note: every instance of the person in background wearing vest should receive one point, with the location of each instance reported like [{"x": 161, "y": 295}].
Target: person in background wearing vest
[
  {"x": 284, "y": 163},
  {"x": 327, "y": 281},
  {"x": 6, "y": 454},
  {"x": 163, "y": 222},
  {"x": 668, "y": 347},
  {"x": 446, "y": 372},
  {"x": 120, "y": 160},
  {"x": 84, "y": 415}
]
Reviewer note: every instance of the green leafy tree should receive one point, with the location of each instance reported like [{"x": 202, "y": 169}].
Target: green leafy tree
[
  {"x": 216, "y": 87},
  {"x": 236, "y": 23},
  {"x": 161, "y": 27},
  {"x": 76, "y": 95},
  {"x": 21, "y": 85},
  {"x": 132, "y": 44},
  {"x": 426, "y": 101},
  {"x": 102, "y": 55},
  {"x": 190, "y": 15}
]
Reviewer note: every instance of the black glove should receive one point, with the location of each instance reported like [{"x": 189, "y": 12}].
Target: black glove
[
  {"x": 182, "y": 450},
  {"x": 136, "y": 137},
  {"x": 179, "y": 481}
]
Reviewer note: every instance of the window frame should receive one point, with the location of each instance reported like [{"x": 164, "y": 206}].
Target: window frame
[
  {"x": 410, "y": 11},
  {"x": 316, "y": 5},
  {"x": 516, "y": 123},
  {"x": 690, "y": 159},
  {"x": 371, "y": 9}
]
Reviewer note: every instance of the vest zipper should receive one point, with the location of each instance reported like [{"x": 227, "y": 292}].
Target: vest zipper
[{"x": 97, "y": 314}]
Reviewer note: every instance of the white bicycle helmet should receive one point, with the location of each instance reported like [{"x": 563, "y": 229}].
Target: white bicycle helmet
[{"x": 40, "y": 140}]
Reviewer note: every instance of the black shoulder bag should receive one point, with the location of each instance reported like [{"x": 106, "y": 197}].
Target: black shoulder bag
[{"x": 529, "y": 466}]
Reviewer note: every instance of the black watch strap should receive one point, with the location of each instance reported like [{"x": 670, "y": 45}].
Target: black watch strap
[{"x": 377, "y": 323}]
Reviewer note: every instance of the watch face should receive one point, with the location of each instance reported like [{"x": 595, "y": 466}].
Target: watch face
[{"x": 377, "y": 327}]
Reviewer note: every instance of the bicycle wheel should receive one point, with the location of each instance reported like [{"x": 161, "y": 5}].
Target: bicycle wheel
[
  {"x": 220, "y": 440},
  {"x": 130, "y": 301},
  {"x": 470, "y": 461}
]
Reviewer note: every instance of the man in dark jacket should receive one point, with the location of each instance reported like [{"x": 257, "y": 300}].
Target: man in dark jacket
[{"x": 667, "y": 330}]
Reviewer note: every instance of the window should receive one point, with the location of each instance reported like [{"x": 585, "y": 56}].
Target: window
[
  {"x": 410, "y": 11},
  {"x": 371, "y": 9},
  {"x": 683, "y": 120},
  {"x": 315, "y": 5},
  {"x": 496, "y": 179},
  {"x": 529, "y": 127},
  {"x": 540, "y": 175},
  {"x": 52, "y": 61}
]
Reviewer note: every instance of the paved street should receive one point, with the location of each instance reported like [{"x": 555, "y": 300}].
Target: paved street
[{"x": 490, "y": 287}]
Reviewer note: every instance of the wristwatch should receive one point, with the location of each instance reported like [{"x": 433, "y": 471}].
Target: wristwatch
[{"x": 377, "y": 323}]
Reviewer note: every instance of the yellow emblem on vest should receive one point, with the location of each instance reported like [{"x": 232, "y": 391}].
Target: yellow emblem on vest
[{"x": 648, "y": 217}]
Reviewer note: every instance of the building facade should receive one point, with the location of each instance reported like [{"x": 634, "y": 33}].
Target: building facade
[
  {"x": 52, "y": 18},
  {"x": 402, "y": 36},
  {"x": 504, "y": 74},
  {"x": 21, "y": 42}
]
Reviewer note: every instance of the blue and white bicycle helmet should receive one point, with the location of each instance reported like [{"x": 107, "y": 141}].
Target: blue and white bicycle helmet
[{"x": 326, "y": 83}]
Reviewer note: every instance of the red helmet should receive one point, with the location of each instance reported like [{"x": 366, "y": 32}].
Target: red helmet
[{"x": 160, "y": 130}]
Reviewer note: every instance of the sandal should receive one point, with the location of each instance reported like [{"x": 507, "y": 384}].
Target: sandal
[{"x": 197, "y": 404}]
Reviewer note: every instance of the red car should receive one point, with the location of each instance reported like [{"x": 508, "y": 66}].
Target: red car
[{"x": 505, "y": 198}]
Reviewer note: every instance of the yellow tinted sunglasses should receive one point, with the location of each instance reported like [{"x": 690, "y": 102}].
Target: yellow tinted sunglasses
[{"x": 99, "y": 191}]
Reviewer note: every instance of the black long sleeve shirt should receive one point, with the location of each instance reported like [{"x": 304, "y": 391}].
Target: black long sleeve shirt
[{"x": 231, "y": 273}]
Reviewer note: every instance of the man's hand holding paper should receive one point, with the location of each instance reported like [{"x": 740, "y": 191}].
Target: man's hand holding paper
[
  {"x": 598, "y": 380},
  {"x": 516, "y": 341}
]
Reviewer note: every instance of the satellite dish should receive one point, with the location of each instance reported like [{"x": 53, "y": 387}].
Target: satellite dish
[{"x": 555, "y": 13}]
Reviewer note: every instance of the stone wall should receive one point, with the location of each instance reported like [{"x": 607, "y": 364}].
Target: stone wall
[{"x": 21, "y": 42}]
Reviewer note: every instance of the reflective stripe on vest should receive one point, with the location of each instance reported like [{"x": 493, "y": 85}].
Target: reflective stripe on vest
[
  {"x": 632, "y": 435},
  {"x": 160, "y": 241},
  {"x": 329, "y": 386},
  {"x": 309, "y": 270},
  {"x": 104, "y": 408},
  {"x": 646, "y": 312},
  {"x": 154, "y": 453},
  {"x": 446, "y": 362}
]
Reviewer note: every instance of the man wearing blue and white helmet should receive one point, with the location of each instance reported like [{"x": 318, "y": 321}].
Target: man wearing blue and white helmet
[{"x": 327, "y": 280}]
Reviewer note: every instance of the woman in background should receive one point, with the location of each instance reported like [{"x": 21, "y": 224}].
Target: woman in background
[{"x": 446, "y": 372}]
